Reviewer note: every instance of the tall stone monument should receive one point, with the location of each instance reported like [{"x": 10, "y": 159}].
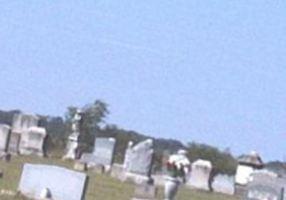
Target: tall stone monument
[{"x": 73, "y": 139}]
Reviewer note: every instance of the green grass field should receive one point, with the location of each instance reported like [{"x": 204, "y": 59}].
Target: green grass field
[{"x": 100, "y": 187}]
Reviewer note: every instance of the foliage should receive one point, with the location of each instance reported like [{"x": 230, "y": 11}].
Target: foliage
[
  {"x": 223, "y": 162},
  {"x": 93, "y": 125},
  {"x": 92, "y": 117}
]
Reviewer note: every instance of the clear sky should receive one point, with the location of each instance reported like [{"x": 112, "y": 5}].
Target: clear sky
[{"x": 207, "y": 71}]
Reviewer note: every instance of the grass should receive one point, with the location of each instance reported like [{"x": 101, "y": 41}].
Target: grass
[{"x": 100, "y": 187}]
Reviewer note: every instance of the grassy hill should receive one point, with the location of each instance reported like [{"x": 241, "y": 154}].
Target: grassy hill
[{"x": 100, "y": 187}]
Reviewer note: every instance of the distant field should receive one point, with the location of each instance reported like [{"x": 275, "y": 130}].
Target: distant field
[{"x": 100, "y": 187}]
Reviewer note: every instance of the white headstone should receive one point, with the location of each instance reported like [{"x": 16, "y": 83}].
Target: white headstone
[
  {"x": 140, "y": 158},
  {"x": 63, "y": 184},
  {"x": 223, "y": 184},
  {"x": 200, "y": 174},
  {"x": 21, "y": 123},
  {"x": 32, "y": 141},
  {"x": 247, "y": 165},
  {"x": 102, "y": 154}
]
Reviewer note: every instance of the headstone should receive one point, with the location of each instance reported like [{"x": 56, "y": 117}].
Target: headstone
[
  {"x": 223, "y": 184},
  {"x": 102, "y": 154},
  {"x": 247, "y": 165},
  {"x": 32, "y": 141},
  {"x": 138, "y": 162},
  {"x": 21, "y": 123},
  {"x": 265, "y": 185},
  {"x": 62, "y": 183},
  {"x": 4, "y": 137},
  {"x": 139, "y": 158},
  {"x": 264, "y": 192},
  {"x": 200, "y": 175}
]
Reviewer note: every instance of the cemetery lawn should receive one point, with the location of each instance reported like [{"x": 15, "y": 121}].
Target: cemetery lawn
[{"x": 100, "y": 187}]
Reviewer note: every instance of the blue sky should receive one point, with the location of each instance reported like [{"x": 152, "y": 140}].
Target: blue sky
[{"x": 206, "y": 71}]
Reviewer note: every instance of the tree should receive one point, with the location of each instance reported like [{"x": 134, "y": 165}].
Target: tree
[
  {"x": 92, "y": 118},
  {"x": 223, "y": 162}
]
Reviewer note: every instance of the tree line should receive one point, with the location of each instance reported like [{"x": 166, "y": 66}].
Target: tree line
[{"x": 94, "y": 125}]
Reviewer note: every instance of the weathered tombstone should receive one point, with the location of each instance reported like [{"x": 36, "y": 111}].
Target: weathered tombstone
[
  {"x": 264, "y": 192},
  {"x": 32, "y": 141},
  {"x": 247, "y": 165},
  {"x": 102, "y": 154},
  {"x": 62, "y": 183},
  {"x": 4, "y": 137},
  {"x": 200, "y": 175},
  {"x": 24, "y": 122},
  {"x": 265, "y": 185},
  {"x": 223, "y": 184},
  {"x": 138, "y": 162},
  {"x": 21, "y": 123},
  {"x": 140, "y": 158}
]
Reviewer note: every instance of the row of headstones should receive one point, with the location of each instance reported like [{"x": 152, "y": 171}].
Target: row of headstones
[
  {"x": 137, "y": 168},
  {"x": 23, "y": 137},
  {"x": 251, "y": 179},
  {"x": 49, "y": 182},
  {"x": 138, "y": 163}
]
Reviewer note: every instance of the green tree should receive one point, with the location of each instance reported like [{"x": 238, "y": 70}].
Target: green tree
[
  {"x": 93, "y": 115},
  {"x": 223, "y": 162}
]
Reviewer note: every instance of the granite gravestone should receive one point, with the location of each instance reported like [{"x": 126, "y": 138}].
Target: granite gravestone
[
  {"x": 264, "y": 192},
  {"x": 21, "y": 123},
  {"x": 4, "y": 137},
  {"x": 200, "y": 175},
  {"x": 223, "y": 184},
  {"x": 265, "y": 185},
  {"x": 62, "y": 183},
  {"x": 138, "y": 159},
  {"x": 32, "y": 141},
  {"x": 102, "y": 154}
]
